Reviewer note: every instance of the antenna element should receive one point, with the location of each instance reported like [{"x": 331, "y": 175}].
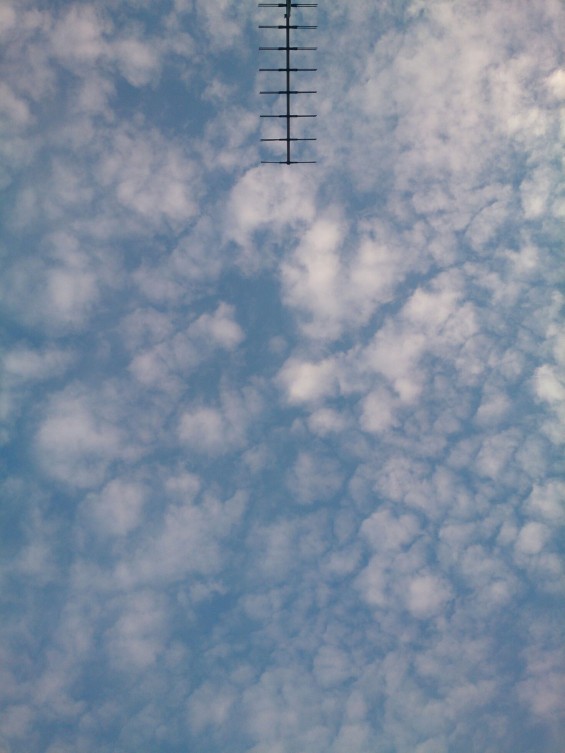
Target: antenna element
[{"x": 287, "y": 91}]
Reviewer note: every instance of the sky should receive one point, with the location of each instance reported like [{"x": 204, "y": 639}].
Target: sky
[{"x": 282, "y": 446}]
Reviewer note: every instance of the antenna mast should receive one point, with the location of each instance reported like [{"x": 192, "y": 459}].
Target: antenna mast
[{"x": 287, "y": 70}]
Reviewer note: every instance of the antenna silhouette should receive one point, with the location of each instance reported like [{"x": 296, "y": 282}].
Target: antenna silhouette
[{"x": 288, "y": 116}]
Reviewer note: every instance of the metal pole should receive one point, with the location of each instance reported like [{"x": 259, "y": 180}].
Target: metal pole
[{"x": 288, "y": 88}]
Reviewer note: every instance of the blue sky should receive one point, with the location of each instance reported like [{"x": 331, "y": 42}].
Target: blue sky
[{"x": 282, "y": 445}]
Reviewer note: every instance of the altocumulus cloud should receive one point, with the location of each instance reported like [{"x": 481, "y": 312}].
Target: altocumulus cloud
[{"x": 282, "y": 448}]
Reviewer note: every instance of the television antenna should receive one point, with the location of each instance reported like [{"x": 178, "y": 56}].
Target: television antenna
[{"x": 288, "y": 116}]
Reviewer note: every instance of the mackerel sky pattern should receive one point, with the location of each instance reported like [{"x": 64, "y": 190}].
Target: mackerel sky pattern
[{"x": 282, "y": 446}]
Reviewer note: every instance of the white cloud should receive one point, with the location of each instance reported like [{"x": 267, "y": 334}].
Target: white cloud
[
  {"x": 150, "y": 176},
  {"x": 15, "y": 108},
  {"x": 219, "y": 327},
  {"x": 210, "y": 706},
  {"x": 85, "y": 36},
  {"x": 305, "y": 381},
  {"x": 79, "y": 35},
  {"x": 384, "y": 531},
  {"x": 537, "y": 190},
  {"x": 493, "y": 582},
  {"x": 145, "y": 326},
  {"x": 548, "y": 384},
  {"x": 372, "y": 582},
  {"x": 556, "y": 84},
  {"x": 23, "y": 364},
  {"x": 283, "y": 546},
  {"x": 214, "y": 429},
  {"x": 343, "y": 562},
  {"x": 333, "y": 286},
  {"x": 118, "y": 508},
  {"x": 314, "y": 478},
  {"x": 542, "y": 690},
  {"x": 70, "y": 292},
  {"x": 394, "y": 353},
  {"x": 548, "y": 501},
  {"x": 493, "y": 407},
  {"x": 258, "y": 203},
  {"x": 427, "y": 595},
  {"x": 496, "y": 453},
  {"x": 138, "y": 60},
  {"x": 532, "y": 538},
  {"x": 76, "y": 442},
  {"x": 378, "y": 413},
  {"x": 353, "y": 737},
  {"x": 223, "y": 22},
  {"x": 138, "y": 636},
  {"x": 94, "y": 95},
  {"x": 189, "y": 539},
  {"x": 7, "y": 18},
  {"x": 312, "y": 281},
  {"x": 167, "y": 364},
  {"x": 203, "y": 428},
  {"x": 58, "y": 294},
  {"x": 327, "y": 421},
  {"x": 332, "y": 666},
  {"x": 17, "y": 721},
  {"x": 281, "y": 710}
]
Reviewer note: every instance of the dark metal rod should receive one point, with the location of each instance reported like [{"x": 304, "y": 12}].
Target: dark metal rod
[
  {"x": 292, "y": 139},
  {"x": 287, "y": 17},
  {"x": 280, "y": 26},
  {"x": 284, "y": 69},
  {"x": 288, "y": 116},
  {"x": 292, "y": 91},
  {"x": 290, "y": 48}
]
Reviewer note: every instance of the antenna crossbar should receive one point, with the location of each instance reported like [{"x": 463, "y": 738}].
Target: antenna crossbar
[
  {"x": 286, "y": 115},
  {"x": 288, "y": 49},
  {"x": 292, "y": 26}
]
